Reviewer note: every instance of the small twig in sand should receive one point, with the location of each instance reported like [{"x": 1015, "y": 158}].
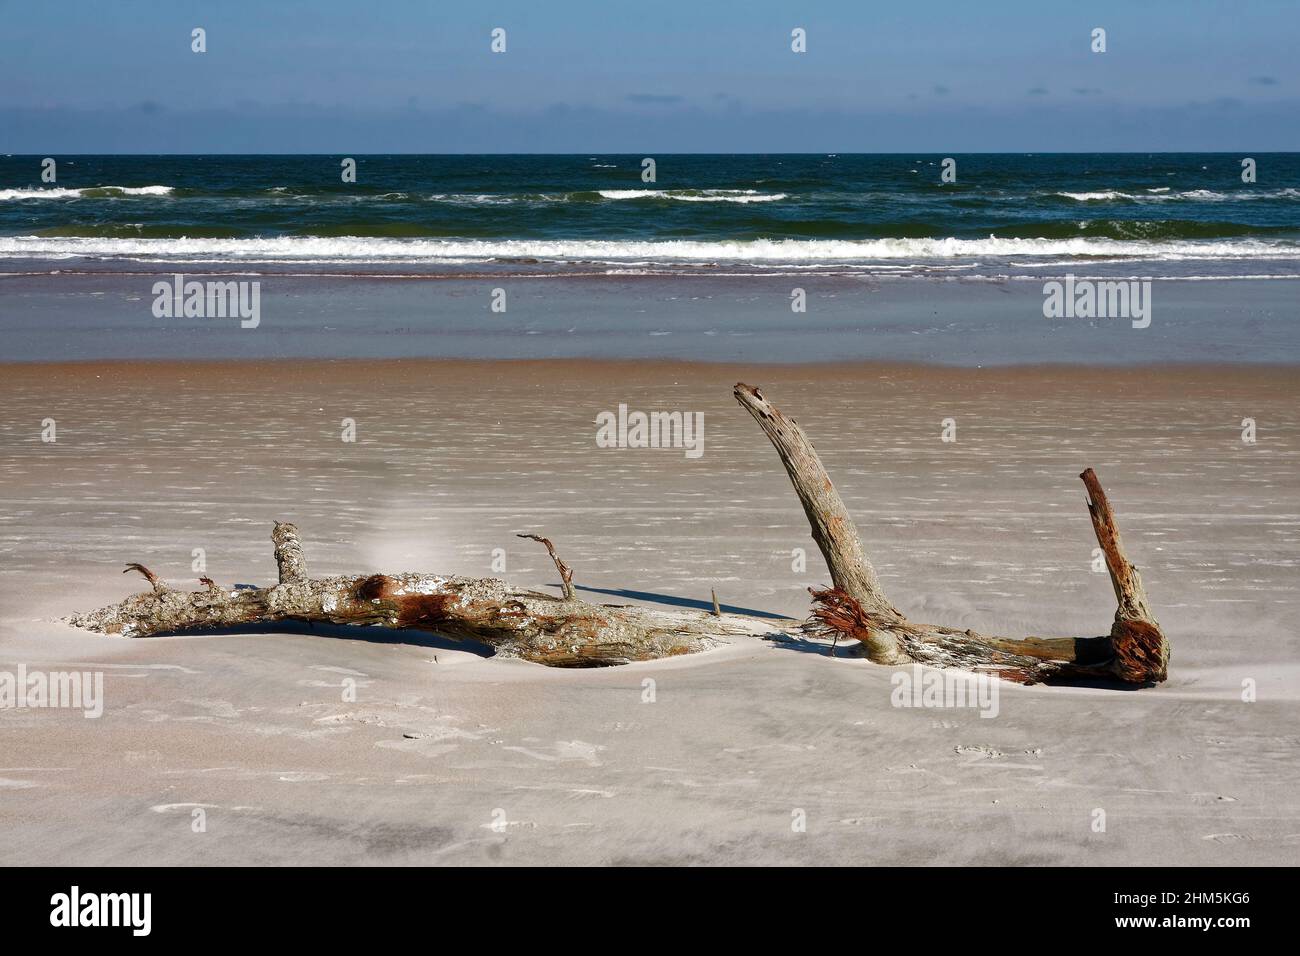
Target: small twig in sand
[{"x": 566, "y": 573}]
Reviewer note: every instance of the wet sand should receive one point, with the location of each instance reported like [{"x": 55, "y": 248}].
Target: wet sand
[
  {"x": 451, "y": 459},
  {"x": 703, "y": 318}
]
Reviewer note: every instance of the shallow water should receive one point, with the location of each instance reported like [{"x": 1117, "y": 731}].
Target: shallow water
[{"x": 105, "y": 316}]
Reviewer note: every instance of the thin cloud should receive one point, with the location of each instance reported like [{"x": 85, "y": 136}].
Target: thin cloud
[{"x": 654, "y": 99}]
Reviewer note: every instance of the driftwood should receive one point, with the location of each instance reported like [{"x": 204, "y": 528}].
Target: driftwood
[
  {"x": 563, "y": 570},
  {"x": 1135, "y": 651},
  {"x": 568, "y": 632},
  {"x": 516, "y": 623}
]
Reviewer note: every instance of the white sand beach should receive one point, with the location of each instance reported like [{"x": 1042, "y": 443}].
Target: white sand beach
[{"x": 347, "y": 746}]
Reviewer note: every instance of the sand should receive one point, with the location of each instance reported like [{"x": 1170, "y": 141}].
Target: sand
[
  {"x": 363, "y": 746},
  {"x": 108, "y": 315}
]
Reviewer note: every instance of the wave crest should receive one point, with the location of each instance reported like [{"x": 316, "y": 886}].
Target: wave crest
[
  {"x": 358, "y": 249},
  {"x": 693, "y": 195},
  {"x": 85, "y": 192},
  {"x": 1164, "y": 194}
]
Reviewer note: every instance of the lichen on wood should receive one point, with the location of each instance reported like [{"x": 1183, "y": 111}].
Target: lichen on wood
[{"x": 515, "y": 623}]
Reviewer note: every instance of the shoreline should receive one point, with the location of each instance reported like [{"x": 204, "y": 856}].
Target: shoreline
[
  {"x": 655, "y": 363},
  {"x": 1098, "y": 269},
  {"x": 956, "y": 322}
]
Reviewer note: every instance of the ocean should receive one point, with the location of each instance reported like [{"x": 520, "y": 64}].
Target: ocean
[
  {"x": 723, "y": 258},
  {"x": 1185, "y": 215}
]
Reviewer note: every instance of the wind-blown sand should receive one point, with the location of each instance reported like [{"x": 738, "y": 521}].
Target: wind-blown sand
[{"x": 441, "y": 742}]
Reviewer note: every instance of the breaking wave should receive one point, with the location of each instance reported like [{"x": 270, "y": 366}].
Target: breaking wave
[
  {"x": 87, "y": 192},
  {"x": 379, "y": 249}
]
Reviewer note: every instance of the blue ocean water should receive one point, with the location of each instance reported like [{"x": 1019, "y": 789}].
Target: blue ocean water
[{"x": 1005, "y": 215}]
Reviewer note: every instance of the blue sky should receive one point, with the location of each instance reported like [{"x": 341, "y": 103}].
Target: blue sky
[{"x": 664, "y": 75}]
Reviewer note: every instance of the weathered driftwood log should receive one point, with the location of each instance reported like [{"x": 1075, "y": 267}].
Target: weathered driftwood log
[
  {"x": 1135, "y": 651},
  {"x": 566, "y": 632},
  {"x": 517, "y": 623},
  {"x": 832, "y": 528}
]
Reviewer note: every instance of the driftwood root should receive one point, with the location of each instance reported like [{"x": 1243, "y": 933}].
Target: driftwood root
[{"x": 1135, "y": 652}]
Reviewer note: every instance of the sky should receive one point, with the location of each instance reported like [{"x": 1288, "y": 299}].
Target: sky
[{"x": 383, "y": 76}]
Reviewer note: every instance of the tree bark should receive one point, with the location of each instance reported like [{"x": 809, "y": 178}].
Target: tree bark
[
  {"x": 289, "y": 558},
  {"x": 1140, "y": 648},
  {"x": 516, "y": 623}
]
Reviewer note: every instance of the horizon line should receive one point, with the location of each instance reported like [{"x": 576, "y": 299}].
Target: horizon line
[{"x": 892, "y": 152}]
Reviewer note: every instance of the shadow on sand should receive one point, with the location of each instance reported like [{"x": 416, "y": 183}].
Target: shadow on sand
[
  {"x": 673, "y": 601},
  {"x": 352, "y": 632}
]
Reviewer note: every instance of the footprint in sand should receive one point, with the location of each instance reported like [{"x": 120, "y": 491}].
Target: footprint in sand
[
  {"x": 1212, "y": 798},
  {"x": 216, "y": 708},
  {"x": 359, "y": 718},
  {"x": 134, "y": 667},
  {"x": 502, "y": 825},
  {"x": 978, "y": 752},
  {"x": 433, "y": 740},
  {"x": 574, "y": 792},
  {"x": 422, "y": 745},
  {"x": 565, "y": 750}
]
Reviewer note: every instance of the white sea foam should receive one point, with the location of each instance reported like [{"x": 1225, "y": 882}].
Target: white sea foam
[
  {"x": 679, "y": 195},
  {"x": 1096, "y": 196},
  {"x": 483, "y": 199},
  {"x": 693, "y": 195},
  {"x": 1164, "y": 194},
  {"x": 359, "y": 249},
  {"x": 101, "y": 192},
  {"x": 7, "y": 194}
]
